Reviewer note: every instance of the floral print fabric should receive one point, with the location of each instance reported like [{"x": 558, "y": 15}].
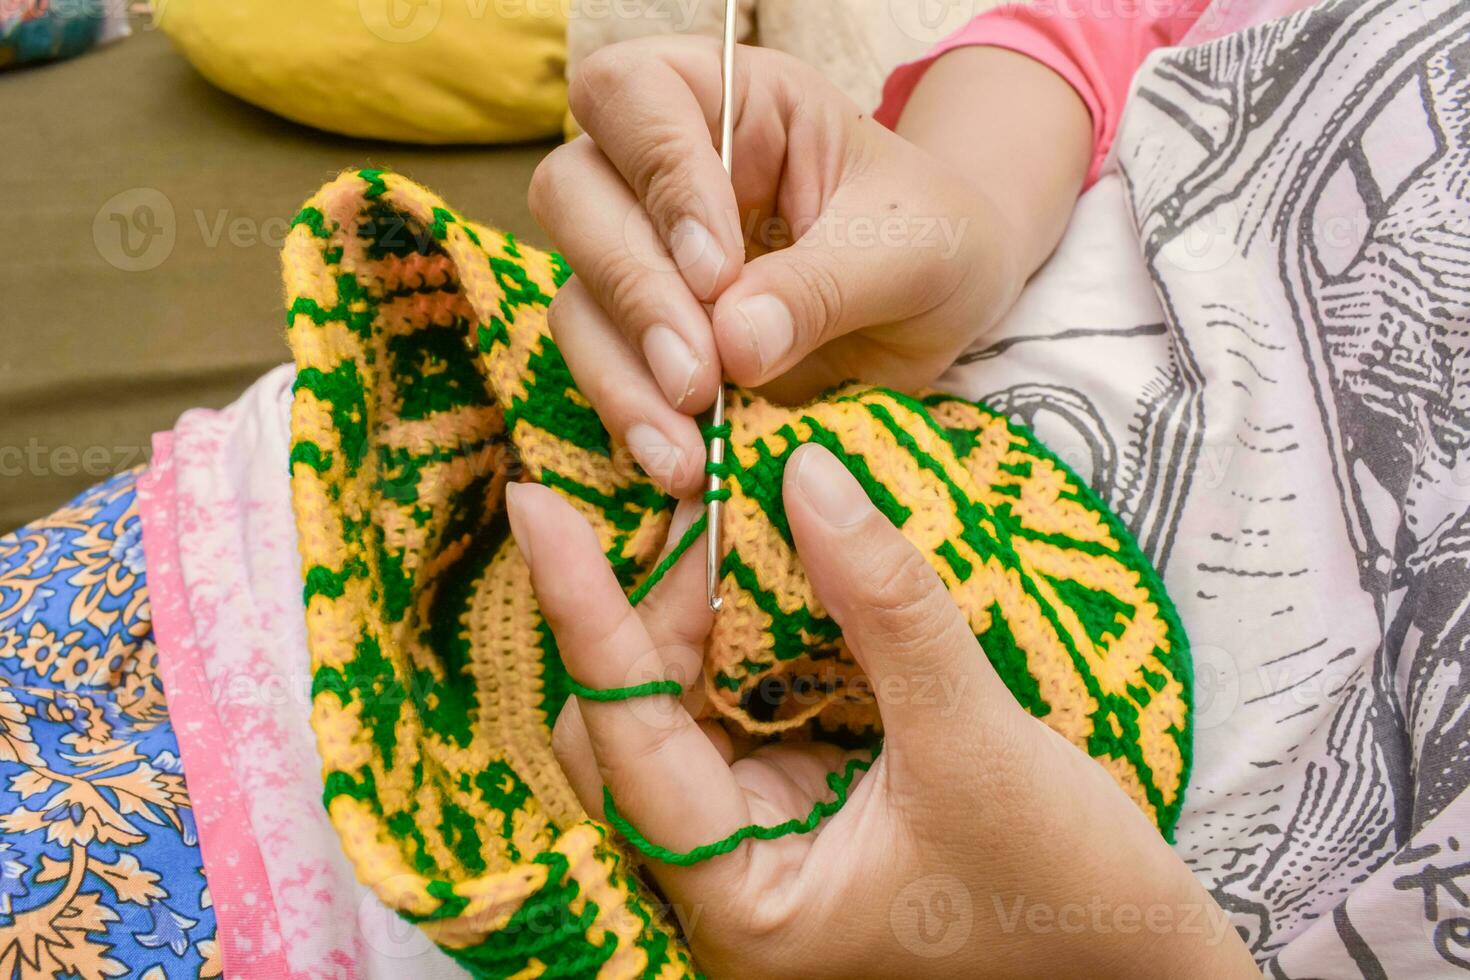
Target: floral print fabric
[{"x": 100, "y": 869}]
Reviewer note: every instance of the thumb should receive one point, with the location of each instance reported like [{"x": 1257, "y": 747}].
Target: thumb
[
  {"x": 861, "y": 263},
  {"x": 931, "y": 678}
]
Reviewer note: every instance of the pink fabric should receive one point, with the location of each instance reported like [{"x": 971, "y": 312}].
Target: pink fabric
[
  {"x": 226, "y": 585},
  {"x": 1096, "y": 54},
  {"x": 249, "y": 935}
]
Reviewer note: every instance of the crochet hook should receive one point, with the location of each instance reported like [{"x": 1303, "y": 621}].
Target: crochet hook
[{"x": 715, "y": 492}]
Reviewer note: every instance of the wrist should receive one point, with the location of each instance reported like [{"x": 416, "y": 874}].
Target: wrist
[
  {"x": 1184, "y": 933},
  {"x": 994, "y": 268},
  {"x": 1009, "y": 254}
]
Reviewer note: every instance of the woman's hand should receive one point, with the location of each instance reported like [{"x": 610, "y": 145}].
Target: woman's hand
[
  {"x": 869, "y": 258},
  {"x": 980, "y": 842}
]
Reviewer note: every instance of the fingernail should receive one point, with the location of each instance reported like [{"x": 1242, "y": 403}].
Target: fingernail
[
  {"x": 672, "y": 361},
  {"x": 656, "y": 453},
  {"x": 513, "y": 493},
  {"x": 834, "y": 493},
  {"x": 769, "y": 328},
  {"x": 698, "y": 256}
]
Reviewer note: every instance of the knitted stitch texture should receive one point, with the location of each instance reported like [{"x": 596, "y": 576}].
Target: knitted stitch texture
[{"x": 427, "y": 379}]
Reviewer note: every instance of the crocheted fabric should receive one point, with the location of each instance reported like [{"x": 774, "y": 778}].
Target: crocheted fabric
[{"x": 426, "y": 380}]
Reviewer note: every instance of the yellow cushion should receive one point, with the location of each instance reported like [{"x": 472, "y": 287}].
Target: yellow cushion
[{"x": 419, "y": 71}]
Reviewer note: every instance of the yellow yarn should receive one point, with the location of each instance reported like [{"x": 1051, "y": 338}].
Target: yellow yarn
[{"x": 426, "y": 381}]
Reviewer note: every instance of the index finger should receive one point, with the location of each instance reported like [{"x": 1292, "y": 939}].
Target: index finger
[
  {"x": 665, "y": 775},
  {"x": 652, "y": 106}
]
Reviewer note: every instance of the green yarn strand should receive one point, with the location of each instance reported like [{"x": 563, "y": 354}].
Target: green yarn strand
[
  {"x": 664, "y": 567},
  {"x": 649, "y": 690},
  {"x": 721, "y": 469},
  {"x": 652, "y": 688},
  {"x": 840, "y": 784}
]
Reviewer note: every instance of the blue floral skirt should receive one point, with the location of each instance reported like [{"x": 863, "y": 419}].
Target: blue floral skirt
[{"x": 100, "y": 869}]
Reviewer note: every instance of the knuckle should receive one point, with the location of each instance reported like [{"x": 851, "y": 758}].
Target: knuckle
[
  {"x": 668, "y": 195},
  {"x": 906, "y": 602},
  {"x": 586, "y": 640},
  {"x": 766, "y": 921},
  {"x": 626, "y": 292},
  {"x": 602, "y": 74},
  {"x": 567, "y": 740},
  {"x": 542, "y": 190},
  {"x": 656, "y": 167},
  {"x": 820, "y": 298},
  {"x": 606, "y": 75},
  {"x": 574, "y": 322},
  {"x": 610, "y": 635},
  {"x": 551, "y": 175},
  {"x": 560, "y": 319},
  {"x": 631, "y": 766}
]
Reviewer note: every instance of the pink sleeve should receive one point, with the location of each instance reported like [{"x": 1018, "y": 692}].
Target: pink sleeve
[{"x": 1097, "y": 55}]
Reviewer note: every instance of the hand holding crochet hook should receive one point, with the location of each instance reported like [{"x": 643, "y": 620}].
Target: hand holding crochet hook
[
  {"x": 687, "y": 276},
  {"x": 839, "y": 251},
  {"x": 971, "y": 796}
]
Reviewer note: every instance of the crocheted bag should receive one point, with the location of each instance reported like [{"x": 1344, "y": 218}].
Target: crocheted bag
[{"x": 426, "y": 381}]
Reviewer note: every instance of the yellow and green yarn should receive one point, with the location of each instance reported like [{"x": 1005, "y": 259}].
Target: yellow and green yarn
[{"x": 427, "y": 380}]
